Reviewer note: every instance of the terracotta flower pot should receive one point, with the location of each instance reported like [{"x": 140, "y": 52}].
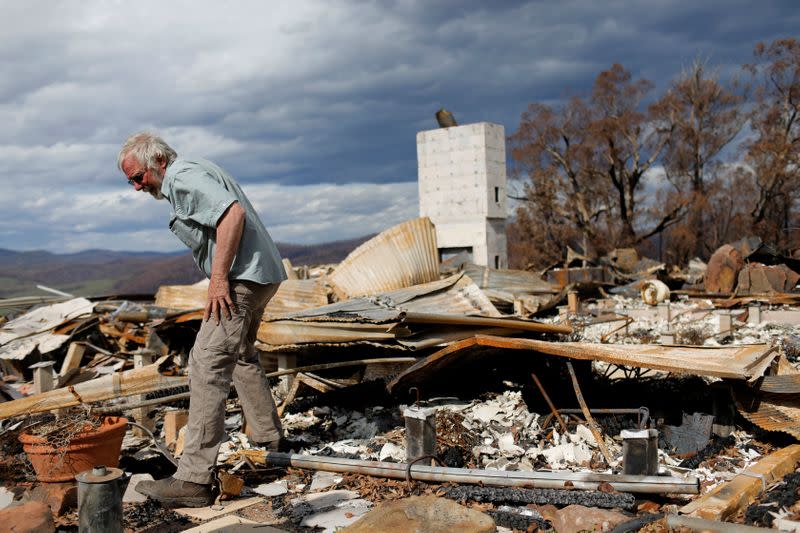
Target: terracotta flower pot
[{"x": 98, "y": 446}]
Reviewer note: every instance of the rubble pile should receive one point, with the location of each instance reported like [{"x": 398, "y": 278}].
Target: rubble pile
[{"x": 613, "y": 392}]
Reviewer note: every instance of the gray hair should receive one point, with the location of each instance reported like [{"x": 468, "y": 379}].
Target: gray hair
[{"x": 148, "y": 149}]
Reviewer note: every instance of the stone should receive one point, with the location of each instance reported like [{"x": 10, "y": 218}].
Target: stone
[
  {"x": 575, "y": 518},
  {"x": 230, "y": 485},
  {"x": 61, "y": 497},
  {"x": 756, "y": 278},
  {"x": 131, "y": 496},
  {"x": 422, "y": 514},
  {"x": 723, "y": 269},
  {"x": 30, "y": 517}
]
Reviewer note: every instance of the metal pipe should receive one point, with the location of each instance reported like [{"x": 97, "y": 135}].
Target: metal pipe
[
  {"x": 495, "y": 478},
  {"x": 700, "y": 524},
  {"x": 588, "y": 416},
  {"x": 146, "y": 403},
  {"x": 550, "y": 403},
  {"x": 461, "y": 320}
]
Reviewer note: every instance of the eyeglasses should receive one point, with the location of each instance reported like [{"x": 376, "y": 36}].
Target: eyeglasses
[{"x": 136, "y": 178}]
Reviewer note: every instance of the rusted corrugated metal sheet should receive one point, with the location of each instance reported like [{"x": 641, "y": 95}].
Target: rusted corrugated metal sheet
[
  {"x": 456, "y": 295},
  {"x": 773, "y": 414},
  {"x": 421, "y": 316},
  {"x": 513, "y": 281},
  {"x": 352, "y": 320},
  {"x": 771, "y": 403},
  {"x": 738, "y": 362},
  {"x": 293, "y": 295},
  {"x": 566, "y": 276},
  {"x": 401, "y": 256}
]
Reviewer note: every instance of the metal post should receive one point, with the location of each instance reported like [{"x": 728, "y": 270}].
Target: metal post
[
  {"x": 664, "y": 311},
  {"x": 724, "y": 322},
  {"x": 588, "y": 416},
  {"x": 573, "y": 302},
  {"x": 420, "y": 432},
  {"x": 285, "y": 362},
  {"x": 42, "y": 376},
  {"x": 667, "y": 337},
  {"x": 142, "y": 415},
  {"x": 640, "y": 452},
  {"x": 550, "y": 403},
  {"x": 754, "y": 313}
]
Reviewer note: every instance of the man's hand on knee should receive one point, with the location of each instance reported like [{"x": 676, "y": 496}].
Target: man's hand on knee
[{"x": 219, "y": 299}]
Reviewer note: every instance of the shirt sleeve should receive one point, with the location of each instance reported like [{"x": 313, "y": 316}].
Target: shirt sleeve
[{"x": 199, "y": 197}]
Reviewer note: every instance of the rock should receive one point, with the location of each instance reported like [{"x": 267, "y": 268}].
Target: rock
[
  {"x": 756, "y": 278},
  {"x": 575, "y": 518},
  {"x": 422, "y": 514},
  {"x": 230, "y": 485},
  {"x": 30, "y": 517},
  {"x": 723, "y": 269},
  {"x": 61, "y": 497}
]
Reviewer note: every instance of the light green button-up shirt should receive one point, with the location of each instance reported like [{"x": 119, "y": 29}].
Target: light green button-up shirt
[{"x": 200, "y": 192}]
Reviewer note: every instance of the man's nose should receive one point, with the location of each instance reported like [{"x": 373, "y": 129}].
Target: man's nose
[{"x": 138, "y": 186}]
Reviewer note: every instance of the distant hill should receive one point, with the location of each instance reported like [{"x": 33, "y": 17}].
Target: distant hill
[{"x": 103, "y": 272}]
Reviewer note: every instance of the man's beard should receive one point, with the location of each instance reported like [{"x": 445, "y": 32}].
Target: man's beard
[{"x": 156, "y": 192}]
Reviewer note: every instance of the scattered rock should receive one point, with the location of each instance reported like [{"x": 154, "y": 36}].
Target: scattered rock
[
  {"x": 422, "y": 514},
  {"x": 723, "y": 269},
  {"x": 30, "y": 517},
  {"x": 575, "y": 518},
  {"x": 756, "y": 278},
  {"x": 61, "y": 497},
  {"x": 230, "y": 485}
]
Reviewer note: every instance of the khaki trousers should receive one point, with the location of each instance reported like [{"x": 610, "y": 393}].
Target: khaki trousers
[{"x": 221, "y": 353}]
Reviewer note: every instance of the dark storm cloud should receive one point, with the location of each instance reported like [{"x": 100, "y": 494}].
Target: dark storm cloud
[{"x": 313, "y": 103}]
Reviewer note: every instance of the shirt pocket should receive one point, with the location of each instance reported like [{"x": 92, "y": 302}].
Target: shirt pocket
[{"x": 189, "y": 236}]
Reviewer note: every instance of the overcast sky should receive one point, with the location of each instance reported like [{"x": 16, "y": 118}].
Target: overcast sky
[{"x": 312, "y": 106}]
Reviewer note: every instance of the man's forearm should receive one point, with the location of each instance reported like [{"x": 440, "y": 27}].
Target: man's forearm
[{"x": 229, "y": 233}]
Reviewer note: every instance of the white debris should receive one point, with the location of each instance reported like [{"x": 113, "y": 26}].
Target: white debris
[
  {"x": 324, "y": 480},
  {"x": 341, "y": 515},
  {"x": 275, "y": 488},
  {"x": 392, "y": 451},
  {"x": 6, "y": 497}
]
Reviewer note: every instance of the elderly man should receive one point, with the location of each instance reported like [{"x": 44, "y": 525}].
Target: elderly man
[{"x": 212, "y": 216}]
